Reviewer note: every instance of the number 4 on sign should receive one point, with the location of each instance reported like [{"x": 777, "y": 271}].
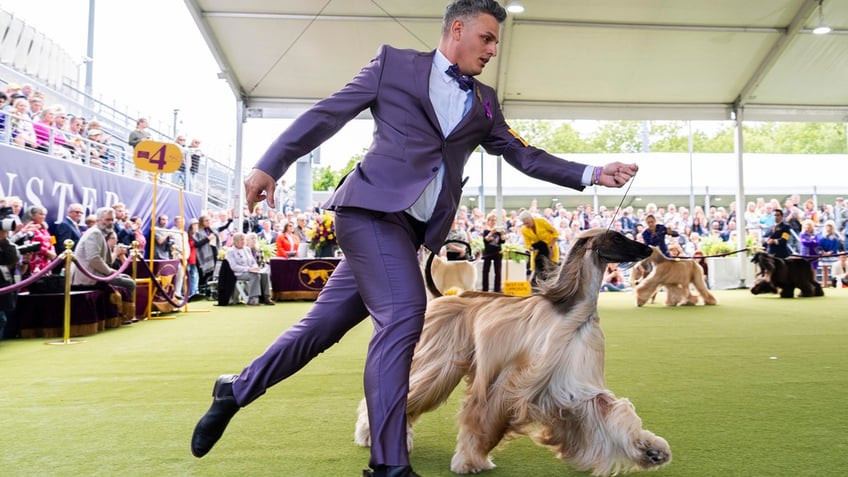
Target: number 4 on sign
[{"x": 154, "y": 156}]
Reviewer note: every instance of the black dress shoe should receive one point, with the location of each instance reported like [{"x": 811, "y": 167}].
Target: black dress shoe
[
  {"x": 212, "y": 425},
  {"x": 383, "y": 471}
]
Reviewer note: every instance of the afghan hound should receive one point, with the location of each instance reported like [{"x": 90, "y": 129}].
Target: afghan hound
[
  {"x": 786, "y": 275},
  {"x": 534, "y": 366},
  {"x": 675, "y": 275}
]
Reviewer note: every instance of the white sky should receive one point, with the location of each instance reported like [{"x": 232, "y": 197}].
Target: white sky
[{"x": 149, "y": 57}]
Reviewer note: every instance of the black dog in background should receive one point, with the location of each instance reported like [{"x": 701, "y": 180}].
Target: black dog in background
[{"x": 785, "y": 275}]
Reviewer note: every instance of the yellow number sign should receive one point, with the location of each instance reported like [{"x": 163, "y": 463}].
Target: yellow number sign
[{"x": 153, "y": 156}]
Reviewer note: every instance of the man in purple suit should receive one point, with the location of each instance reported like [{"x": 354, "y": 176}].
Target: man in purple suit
[{"x": 429, "y": 116}]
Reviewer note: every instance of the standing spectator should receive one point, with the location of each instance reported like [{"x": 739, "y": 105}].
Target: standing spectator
[
  {"x": 191, "y": 261},
  {"x": 163, "y": 248},
  {"x": 777, "y": 240},
  {"x": 179, "y": 177},
  {"x": 458, "y": 251},
  {"x": 140, "y": 133},
  {"x": 829, "y": 244},
  {"x": 181, "y": 250},
  {"x": 809, "y": 241},
  {"x": 206, "y": 243},
  {"x": 386, "y": 209},
  {"x": 654, "y": 234},
  {"x": 122, "y": 226},
  {"x": 493, "y": 237},
  {"x": 541, "y": 236},
  {"x": 138, "y": 233},
  {"x": 195, "y": 156}
]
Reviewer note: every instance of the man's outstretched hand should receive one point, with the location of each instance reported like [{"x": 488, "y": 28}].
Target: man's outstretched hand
[
  {"x": 259, "y": 186},
  {"x": 616, "y": 174}
]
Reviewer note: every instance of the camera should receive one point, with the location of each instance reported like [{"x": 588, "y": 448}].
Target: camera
[
  {"x": 8, "y": 220},
  {"x": 29, "y": 248}
]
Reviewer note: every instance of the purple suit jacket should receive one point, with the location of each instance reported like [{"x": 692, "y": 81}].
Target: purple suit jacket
[{"x": 409, "y": 146}]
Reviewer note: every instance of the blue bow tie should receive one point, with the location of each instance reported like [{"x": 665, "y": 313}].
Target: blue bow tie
[{"x": 465, "y": 82}]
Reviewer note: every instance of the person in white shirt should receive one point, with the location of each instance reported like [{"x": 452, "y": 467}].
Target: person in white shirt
[
  {"x": 244, "y": 267},
  {"x": 839, "y": 272}
]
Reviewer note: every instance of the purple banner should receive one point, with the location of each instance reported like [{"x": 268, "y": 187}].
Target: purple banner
[{"x": 54, "y": 183}]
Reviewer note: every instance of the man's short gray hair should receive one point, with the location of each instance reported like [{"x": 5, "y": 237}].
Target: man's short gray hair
[{"x": 102, "y": 211}]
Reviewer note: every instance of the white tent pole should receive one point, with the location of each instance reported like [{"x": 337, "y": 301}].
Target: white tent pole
[
  {"x": 238, "y": 203},
  {"x": 741, "y": 238}
]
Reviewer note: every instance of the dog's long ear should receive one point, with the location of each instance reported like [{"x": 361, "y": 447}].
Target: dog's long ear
[{"x": 566, "y": 284}]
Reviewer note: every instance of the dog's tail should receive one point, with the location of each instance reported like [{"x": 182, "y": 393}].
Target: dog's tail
[
  {"x": 428, "y": 277},
  {"x": 428, "y": 270}
]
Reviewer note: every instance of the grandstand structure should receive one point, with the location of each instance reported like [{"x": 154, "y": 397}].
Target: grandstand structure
[{"x": 29, "y": 56}]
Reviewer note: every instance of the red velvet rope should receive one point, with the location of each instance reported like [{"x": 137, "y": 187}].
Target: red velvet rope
[
  {"x": 34, "y": 277},
  {"x": 98, "y": 278},
  {"x": 162, "y": 290}
]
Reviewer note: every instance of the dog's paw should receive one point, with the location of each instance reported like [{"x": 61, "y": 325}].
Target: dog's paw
[
  {"x": 462, "y": 464},
  {"x": 653, "y": 451}
]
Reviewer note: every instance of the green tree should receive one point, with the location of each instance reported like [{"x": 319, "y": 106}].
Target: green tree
[{"x": 324, "y": 178}]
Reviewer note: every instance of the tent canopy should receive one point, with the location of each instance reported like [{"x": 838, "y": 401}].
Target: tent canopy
[{"x": 559, "y": 59}]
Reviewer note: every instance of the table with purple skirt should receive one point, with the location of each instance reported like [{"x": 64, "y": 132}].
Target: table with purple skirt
[{"x": 300, "y": 278}]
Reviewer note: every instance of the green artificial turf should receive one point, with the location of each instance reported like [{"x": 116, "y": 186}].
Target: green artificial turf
[{"x": 755, "y": 386}]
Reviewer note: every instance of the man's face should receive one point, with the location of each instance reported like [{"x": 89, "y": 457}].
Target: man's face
[
  {"x": 238, "y": 242},
  {"x": 478, "y": 43},
  {"x": 106, "y": 223}
]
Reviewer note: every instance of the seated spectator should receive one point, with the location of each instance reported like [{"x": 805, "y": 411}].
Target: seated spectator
[
  {"x": 117, "y": 250},
  {"x": 20, "y": 126},
  {"x": 613, "y": 279},
  {"x": 244, "y": 267},
  {"x": 839, "y": 273},
  {"x": 94, "y": 254},
  {"x": 97, "y": 148},
  {"x": 69, "y": 228},
  {"x": 36, "y": 105},
  {"x": 36, "y": 232},
  {"x": 287, "y": 242},
  {"x": 74, "y": 139},
  {"x": 8, "y": 263},
  {"x": 45, "y": 128},
  {"x": 3, "y": 100}
]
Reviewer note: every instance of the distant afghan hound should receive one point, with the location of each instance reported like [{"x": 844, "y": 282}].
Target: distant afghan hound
[
  {"x": 535, "y": 366},
  {"x": 785, "y": 275},
  {"x": 676, "y": 276}
]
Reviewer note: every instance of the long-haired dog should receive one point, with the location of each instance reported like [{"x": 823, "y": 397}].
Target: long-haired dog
[
  {"x": 785, "y": 275},
  {"x": 535, "y": 366},
  {"x": 676, "y": 276}
]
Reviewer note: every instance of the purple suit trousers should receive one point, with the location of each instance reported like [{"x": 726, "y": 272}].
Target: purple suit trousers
[{"x": 380, "y": 276}]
